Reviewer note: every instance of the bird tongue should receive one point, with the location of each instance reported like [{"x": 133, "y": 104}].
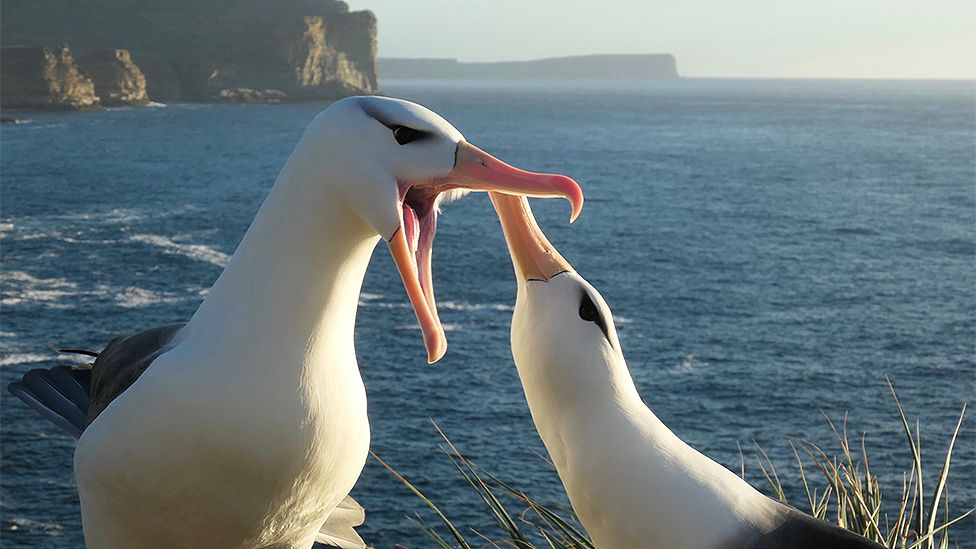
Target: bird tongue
[
  {"x": 424, "y": 252},
  {"x": 412, "y": 227}
]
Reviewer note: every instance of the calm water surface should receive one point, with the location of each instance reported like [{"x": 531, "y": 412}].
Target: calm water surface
[{"x": 770, "y": 249}]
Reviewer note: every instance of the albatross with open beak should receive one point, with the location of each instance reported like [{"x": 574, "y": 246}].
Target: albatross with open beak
[
  {"x": 247, "y": 426},
  {"x": 632, "y": 482}
]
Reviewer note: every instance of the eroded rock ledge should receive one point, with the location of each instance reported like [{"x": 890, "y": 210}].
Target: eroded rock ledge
[
  {"x": 118, "y": 81},
  {"x": 184, "y": 50},
  {"x": 43, "y": 78}
]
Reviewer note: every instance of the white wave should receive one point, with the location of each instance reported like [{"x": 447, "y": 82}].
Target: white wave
[
  {"x": 449, "y": 327},
  {"x": 132, "y": 297},
  {"x": 465, "y": 306},
  {"x": 385, "y": 305},
  {"x": 13, "y": 359},
  {"x": 20, "y": 287},
  {"x": 17, "y": 523},
  {"x": 366, "y": 296},
  {"x": 689, "y": 364},
  {"x": 199, "y": 252},
  {"x": 33, "y": 127},
  {"x": 371, "y": 300},
  {"x": 33, "y": 231},
  {"x": 622, "y": 320},
  {"x": 20, "y": 277},
  {"x": 121, "y": 215}
]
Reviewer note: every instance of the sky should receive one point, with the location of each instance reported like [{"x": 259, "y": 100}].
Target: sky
[{"x": 709, "y": 38}]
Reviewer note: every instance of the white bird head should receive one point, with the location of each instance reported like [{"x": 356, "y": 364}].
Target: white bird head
[
  {"x": 395, "y": 163},
  {"x": 562, "y": 328}
]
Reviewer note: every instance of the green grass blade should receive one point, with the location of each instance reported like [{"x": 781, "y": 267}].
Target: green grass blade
[
  {"x": 944, "y": 474},
  {"x": 454, "y": 531}
]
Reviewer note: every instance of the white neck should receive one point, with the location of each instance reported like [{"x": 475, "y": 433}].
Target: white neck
[
  {"x": 292, "y": 287},
  {"x": 617, "y": 459}
]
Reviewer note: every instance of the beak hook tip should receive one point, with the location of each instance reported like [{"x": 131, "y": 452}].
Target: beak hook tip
[{"x": 577, "y": 210}]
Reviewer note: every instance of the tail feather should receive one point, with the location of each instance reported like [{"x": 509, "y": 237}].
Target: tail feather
[
  {"x": 47, "y": 389},
  {"x": 24, "y": 393},
  {"x": 339, "y": 529},
  {"x": 349, "y": 511},
  {"x": 59, "y": 394},
  {"x": 344, "y": 537},
  {"x": 70, "y": 385}
]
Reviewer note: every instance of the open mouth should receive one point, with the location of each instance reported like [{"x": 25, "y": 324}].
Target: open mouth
[
  {"x": 412, "y": 245},
  {"x": 419, "y": 224}
]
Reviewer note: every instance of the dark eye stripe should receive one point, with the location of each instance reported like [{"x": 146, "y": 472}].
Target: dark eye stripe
[
  {"x": 589, "y": 312},
  {"x": 404, "y": 135}
]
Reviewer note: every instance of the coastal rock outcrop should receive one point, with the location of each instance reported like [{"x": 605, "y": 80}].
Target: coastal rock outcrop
[
  {"x": 43, "y": 78},
  {"x": 306, "y": 59},
  {"x": 188, "y": 50},
  {"x": 247, "y": 95},
  {"x": 118, "y": 81}
]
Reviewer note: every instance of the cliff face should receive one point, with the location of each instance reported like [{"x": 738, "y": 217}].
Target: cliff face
[
  {"x": 306, "y": 58},
  {"x": 118, "y": 81},
  {"x": 194, "y": 50},
  {"x": 43, "y": 78}
]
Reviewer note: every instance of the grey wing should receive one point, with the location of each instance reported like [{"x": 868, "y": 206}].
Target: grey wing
[
  {"x": 123, "y": 361},
  {"x": 801, "y": 531},
  {"x": 72, "y": 397}
]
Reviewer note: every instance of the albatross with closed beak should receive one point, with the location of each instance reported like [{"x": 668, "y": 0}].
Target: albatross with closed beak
[
  {"x": 247, "y": 426},
  {"x": 632, "y": 482}
]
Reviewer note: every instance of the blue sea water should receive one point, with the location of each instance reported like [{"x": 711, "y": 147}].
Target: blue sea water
[{"x": 771, "y": 250}]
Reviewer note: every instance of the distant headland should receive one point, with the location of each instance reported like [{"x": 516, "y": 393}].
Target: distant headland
[{"x": 654, "y": 66}]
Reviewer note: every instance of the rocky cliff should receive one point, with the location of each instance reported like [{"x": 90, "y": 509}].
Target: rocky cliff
[
  {"x": 195, "y": 50},
  {"x": 43, "y": 78},
  {"x": 118, "y": 81}
]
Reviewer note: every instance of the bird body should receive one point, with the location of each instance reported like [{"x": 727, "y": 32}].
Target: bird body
[
  {"x": 258, "y": 411},
  {"x": 248, "y": 426},
  {"x": 626, "y": 473},
  {"x": 632, "y": 482}
]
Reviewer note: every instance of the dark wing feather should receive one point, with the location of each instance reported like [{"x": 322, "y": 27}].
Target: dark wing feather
[
  {"x": 71, "y": 398},
  {"x": 73, "y": 383},
  {"x": 801, "y": 531},
  {"x": 123, "y": 361},
  {"x": 21, "y": 391},
  {"x": 50, "y": 391}
]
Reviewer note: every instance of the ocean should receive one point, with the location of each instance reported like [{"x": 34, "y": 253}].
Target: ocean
[{"x": 772, "y": 251}]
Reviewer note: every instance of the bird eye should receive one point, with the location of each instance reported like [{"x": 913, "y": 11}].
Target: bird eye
[
  {"x": 589, "y": 313},
  {"x": 404, "y": 135},
  {"x": 587, "y": 310}
]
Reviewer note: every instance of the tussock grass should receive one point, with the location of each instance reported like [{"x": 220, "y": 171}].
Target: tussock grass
[
  {"x": 521, "y": 521},
  {"x": 838, "y": 485}
]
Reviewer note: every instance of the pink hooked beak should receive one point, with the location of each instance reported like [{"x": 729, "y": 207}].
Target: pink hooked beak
[{"x": 411, "y": 245}]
